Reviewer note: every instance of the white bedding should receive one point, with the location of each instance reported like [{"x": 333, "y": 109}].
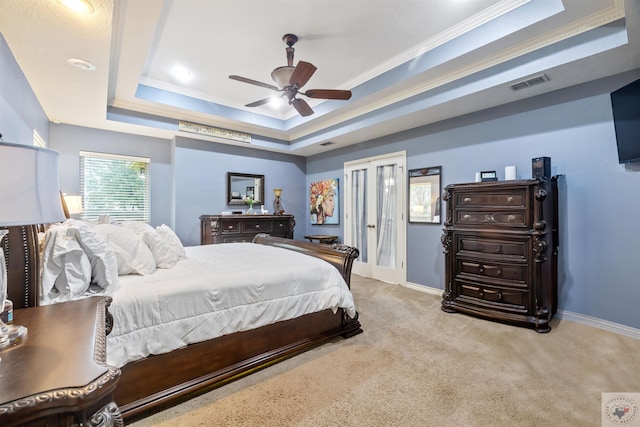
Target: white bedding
[{"x": 217, "y": 290}]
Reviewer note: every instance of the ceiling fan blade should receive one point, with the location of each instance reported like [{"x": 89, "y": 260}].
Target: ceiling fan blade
[
  {"x": 302, "y": 73},
  {"x": 302, "y": 107},
  {"x": 259, "y": 103},
  {"x": 328, "y": 94},
  {"x": 254, "y": 82}
]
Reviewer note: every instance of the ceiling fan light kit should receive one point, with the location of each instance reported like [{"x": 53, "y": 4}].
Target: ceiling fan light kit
[{"x": 290, "y": 79}]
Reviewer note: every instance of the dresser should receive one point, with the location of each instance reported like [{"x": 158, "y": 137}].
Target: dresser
[
  {"x": 57, "y": 376},
  {"x": 500, "y": 242},
  {"x": 242, "y": 228}
]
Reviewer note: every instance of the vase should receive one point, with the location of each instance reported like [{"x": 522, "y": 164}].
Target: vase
[{"x": 251, "y": 211}]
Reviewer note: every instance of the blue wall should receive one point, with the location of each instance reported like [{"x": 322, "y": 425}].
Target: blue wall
[
  {"x": 20, "y": 111},
  {"x": 599, "y": 201}
]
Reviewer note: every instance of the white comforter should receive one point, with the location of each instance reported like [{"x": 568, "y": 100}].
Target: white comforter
[{"x": 217, "y": 290}]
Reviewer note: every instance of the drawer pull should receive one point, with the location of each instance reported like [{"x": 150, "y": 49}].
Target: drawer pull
[
  {"x": 510, "y": 199},
  {"x": 489, "y": 218},
  {"x": 466, "y": 216},
  {"x": 229, "y": 227},
  {"x": 511, "y": 218},
  {"x": 466, "y": 199},
  {"x": 499, "y": 295},
  {"x": 481, "y": 269}
]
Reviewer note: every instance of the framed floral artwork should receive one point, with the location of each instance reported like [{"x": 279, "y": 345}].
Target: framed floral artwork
[{"x": 324, "y": 202}]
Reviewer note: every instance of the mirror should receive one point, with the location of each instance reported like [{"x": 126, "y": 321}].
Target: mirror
[
  {"x": 424, "y": 195},
  {"x": 241, "y": 185}
]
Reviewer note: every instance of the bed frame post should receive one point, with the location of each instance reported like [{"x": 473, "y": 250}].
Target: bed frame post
[{"x": 22, "y": 258}]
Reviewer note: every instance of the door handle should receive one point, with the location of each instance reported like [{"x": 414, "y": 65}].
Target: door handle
[{"x": 371, "y": 226}]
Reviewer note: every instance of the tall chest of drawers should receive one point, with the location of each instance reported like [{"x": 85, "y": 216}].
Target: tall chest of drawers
[
  {"x": 242, "y": 228},
  {"x": 500, "y": 242}
]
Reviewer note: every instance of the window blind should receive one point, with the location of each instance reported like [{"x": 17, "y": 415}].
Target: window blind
[{"x": 114, "y": 185}]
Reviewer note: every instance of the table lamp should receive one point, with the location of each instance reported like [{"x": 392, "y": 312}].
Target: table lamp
[
  {"x": 73, "y": 205},
  {"x": 29, "y": 194},
  {"x": 277, "y": 207}
]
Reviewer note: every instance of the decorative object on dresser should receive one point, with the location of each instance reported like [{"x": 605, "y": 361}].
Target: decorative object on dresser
[
  {"x": 500, "y": 242},
  {"x": 58, "y": 375},
  {"x": 277, "y": 206},
  {"x": 488, "y": 176},
  {"x": 29, "y": 194},
  {"x": 242, "y": 228}
]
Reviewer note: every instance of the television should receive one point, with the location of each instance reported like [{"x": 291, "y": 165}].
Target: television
[{"x": 625, "y": 103}]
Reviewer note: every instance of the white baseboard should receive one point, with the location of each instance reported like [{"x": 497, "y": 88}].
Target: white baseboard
[
  {"x": 423, "y": 288},
  {"x": 599, "y": 323},
  {"x": 561, "y": 314}
]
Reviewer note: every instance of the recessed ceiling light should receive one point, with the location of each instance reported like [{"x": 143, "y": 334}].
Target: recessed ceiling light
[
  {"x": 182, "y": 73},
  {"x": 81, "y": 63},
  {"x": 80, "y": 6}
]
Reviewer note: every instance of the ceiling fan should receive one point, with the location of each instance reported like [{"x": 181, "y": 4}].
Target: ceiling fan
[{"x": 290, "y": 79}]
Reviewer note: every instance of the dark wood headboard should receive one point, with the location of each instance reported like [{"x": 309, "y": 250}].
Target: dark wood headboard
[{"x": 22, "y": 258}]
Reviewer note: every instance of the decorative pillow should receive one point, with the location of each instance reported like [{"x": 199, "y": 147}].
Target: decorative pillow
[
  {"x": 104, "y": 266},
  {"x": 132, "y": 255},
  {"x": 66, "y": 268},
  {"x": 166, "y": 256},
  {"x": 171, "y": 238}
]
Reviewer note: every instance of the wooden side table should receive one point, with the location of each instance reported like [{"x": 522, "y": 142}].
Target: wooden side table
[
  {"x": 322, "y": 238},
  {"x": 58, "y": 375}
]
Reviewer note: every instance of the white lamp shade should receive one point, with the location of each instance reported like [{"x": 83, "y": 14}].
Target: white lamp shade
[
  {"x": 282, "y": 75},
  {"x": 29, "y": 186}
]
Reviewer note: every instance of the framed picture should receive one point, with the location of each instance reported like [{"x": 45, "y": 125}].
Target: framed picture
[
  {"x": 424, "y": 195},
  {"x": 324, "y": 202}
]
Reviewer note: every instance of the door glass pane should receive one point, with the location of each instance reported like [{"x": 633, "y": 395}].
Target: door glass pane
[
  {"x": 386, "y": 177},
  {"x": 359, "y": 212}
]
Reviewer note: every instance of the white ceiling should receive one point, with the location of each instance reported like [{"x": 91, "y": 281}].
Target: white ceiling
[{"x": 407, "y": 62}]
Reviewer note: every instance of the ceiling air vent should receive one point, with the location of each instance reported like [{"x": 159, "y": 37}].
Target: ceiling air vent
[
  {"x": 530, "y": 82},
  {"x": 324, "y": 144}
]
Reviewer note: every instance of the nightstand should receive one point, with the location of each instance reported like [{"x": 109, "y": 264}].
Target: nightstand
[{"x": 58, "y": 375}]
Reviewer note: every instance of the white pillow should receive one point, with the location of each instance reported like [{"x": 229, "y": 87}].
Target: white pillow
[
  {"x": 171, "y": 239},
  {"x": 66, "y": 268},
  {"x": 132, "y": 255},
  {"x": 137, "y": 227},
  {"x": 104, "y": 266},
  {"x": 166, "y": 256}
]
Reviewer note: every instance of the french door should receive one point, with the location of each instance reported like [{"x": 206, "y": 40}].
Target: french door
[{"x": 375, "y": 195}]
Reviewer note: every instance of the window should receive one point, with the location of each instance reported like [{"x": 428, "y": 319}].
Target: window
[{"x": 114, "y": 185}]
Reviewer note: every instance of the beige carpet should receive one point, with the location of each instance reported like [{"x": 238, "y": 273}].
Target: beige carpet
[{"x": 415, "y": 365}]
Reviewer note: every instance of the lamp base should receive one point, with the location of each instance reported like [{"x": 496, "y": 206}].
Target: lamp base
[
  {"x": 4, "y": 335},
  {"x": 11, "y": 334}
]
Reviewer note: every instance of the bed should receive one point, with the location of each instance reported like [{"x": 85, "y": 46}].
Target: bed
[{"x": 200, "y": 366}]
